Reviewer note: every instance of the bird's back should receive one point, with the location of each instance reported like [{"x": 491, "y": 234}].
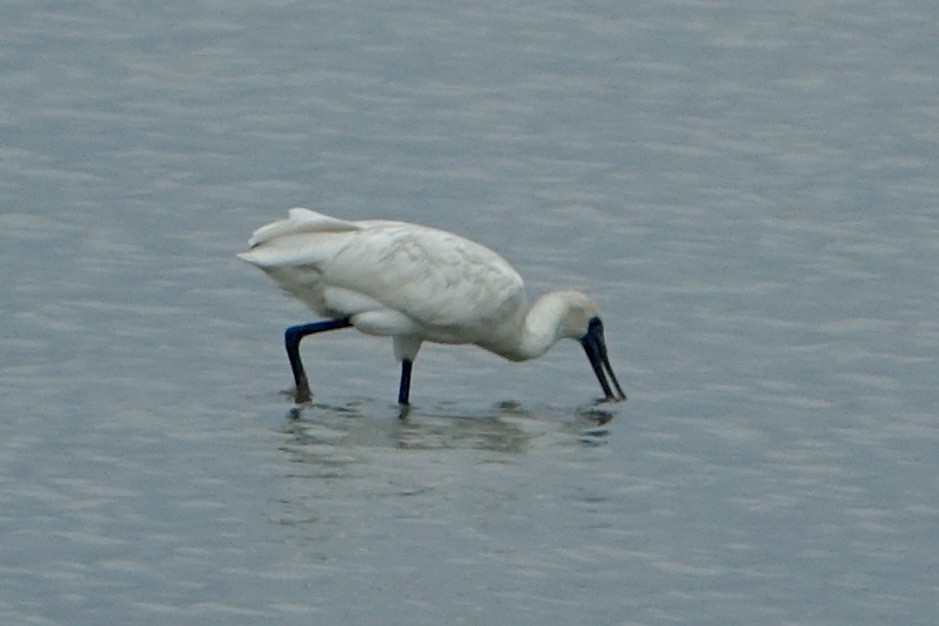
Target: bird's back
[{"x": 453, "y": 289}]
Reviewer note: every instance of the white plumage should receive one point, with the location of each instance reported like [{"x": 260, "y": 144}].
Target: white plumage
[{"x": 414, "y": 284}]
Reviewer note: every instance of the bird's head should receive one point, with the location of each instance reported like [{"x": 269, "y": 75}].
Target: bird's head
[{"x": 581, "y": 321}]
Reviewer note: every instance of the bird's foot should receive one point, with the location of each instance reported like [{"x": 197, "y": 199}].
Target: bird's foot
[{"x": 302, "y": 393}]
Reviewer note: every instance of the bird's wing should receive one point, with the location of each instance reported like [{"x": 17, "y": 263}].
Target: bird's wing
[
  {"x": 436, "y": 278},
  {"x": 429, "y": 281}
]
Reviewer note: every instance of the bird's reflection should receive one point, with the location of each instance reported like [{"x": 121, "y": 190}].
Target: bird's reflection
[
  {"x": 348, "y": 464},
  {"x": 332, "y": 437}
]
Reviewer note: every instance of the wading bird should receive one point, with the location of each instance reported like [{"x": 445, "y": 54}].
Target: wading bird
[{"x": 414, "y": 284}]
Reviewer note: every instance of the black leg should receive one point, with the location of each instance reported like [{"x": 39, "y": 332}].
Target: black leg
[
  {"x": 405, "y": 389},
  {"x": 292, "y": 337}
]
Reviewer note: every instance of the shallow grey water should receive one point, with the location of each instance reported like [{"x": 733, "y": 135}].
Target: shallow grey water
[{"x": 749, "y": 192}]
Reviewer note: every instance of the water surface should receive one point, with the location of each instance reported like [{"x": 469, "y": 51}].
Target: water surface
[{"x": 750, "y": 193}]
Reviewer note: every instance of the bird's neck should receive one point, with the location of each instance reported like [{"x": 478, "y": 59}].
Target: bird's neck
[{"x": 540, "y": 329}]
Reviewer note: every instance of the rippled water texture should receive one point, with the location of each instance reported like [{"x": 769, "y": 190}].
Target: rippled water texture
[{"x": 749, "y": 190}]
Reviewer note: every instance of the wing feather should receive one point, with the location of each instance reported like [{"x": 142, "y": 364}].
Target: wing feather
[
  {"x": 452, "y": 289},
  {"x": 438, "y": 279}
]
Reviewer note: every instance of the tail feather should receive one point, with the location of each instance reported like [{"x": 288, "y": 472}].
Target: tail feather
[
  {"x": 305, "y": 240},
  {"x": 298, "y": 221}
]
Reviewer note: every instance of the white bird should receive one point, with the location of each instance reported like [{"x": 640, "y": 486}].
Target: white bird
[{"x": 415, "y": 284}]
